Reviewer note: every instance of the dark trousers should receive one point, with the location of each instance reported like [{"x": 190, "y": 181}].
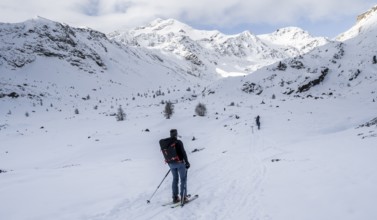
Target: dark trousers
[{"x": 179, "y": 172}]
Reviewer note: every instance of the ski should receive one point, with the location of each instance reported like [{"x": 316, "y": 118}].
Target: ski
[
  {"x": 192, "y": 198},
  {"x": 168, "y": 203},
  {"x": 174, "y": 203}
]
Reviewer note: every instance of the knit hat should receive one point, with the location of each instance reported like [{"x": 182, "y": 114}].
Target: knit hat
[{"x": 173, "y": 133}]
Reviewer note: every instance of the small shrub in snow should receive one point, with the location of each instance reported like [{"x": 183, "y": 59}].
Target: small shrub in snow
[
  {"x": 77, "y": 111},
  {"x": 27, "y": 114},
  {"x": 374, "y": 59},
  {"x": 169, "y": 110},
  {"x": 201, "y": 109},
  {"x": 281, "y": 66}
]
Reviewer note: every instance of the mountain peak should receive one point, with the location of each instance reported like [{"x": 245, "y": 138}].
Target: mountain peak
[
  {"x": 367, "y": 14},
  {"x": 294, "y": 37},
  {"x": 247, "y": 34},
  {"x": 168, "y": 25},
  {"x": 364, "y": 23},
  {"x": 291, "y": 33}
]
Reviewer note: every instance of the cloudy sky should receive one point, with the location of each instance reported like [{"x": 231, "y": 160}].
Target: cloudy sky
[{"x": 320, "y": 17}]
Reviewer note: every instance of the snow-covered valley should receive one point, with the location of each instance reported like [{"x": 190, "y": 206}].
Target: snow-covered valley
[
  {"x": 64, "y": 156},
  {"x": 308, "y": 161}
]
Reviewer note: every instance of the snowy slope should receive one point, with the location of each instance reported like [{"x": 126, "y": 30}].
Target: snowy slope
[
  {"x": 214, "y": 52},
  {"x": 363, "y": 25},
  {"x": 314, "y": 157},
  {"x": 42, "y": 58},
  {"x": 308, "y": 161},
  {"x": 334, "y": 70}
]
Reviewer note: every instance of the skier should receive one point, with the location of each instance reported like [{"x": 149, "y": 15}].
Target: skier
[
  {"x": 257, "y": 120},
  {"x": 178, "y": 167}
]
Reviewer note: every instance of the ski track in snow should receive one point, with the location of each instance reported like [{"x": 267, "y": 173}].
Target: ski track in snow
[{"x": 225, "y": 196}]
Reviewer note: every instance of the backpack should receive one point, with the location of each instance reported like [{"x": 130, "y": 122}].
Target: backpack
[{"x": 169, "y": 150}]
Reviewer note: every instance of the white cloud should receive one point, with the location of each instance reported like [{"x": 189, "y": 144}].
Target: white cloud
[{"x": 109, "y": 15}]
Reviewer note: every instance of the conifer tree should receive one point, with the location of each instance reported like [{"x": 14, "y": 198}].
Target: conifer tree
[
  {"x": 121, "y": 115},
  {"x": 169, "y": 110}
]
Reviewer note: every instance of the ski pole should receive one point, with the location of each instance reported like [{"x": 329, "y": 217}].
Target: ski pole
[
  {"x": 184, "y": 193},
  {"x": 148, "y": 201}
]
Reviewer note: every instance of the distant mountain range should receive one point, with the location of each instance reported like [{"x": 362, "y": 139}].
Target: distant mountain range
[
  {"x": 338, "y": 68},
  {"x": 168, "y": 53},
  {"x": 213, "y": 51}
]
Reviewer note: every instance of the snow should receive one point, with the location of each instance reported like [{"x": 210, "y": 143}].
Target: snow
[
  {"x": 310, "y": 160},
  {"x": 224, "y": 73},
  {"x": 90, "y": 166}
]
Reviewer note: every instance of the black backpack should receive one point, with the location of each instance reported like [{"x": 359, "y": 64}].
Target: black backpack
[{"x": 168, "y": 148}]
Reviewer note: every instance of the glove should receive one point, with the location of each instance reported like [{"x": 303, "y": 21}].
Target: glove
[{"x": 187, "y": 165}]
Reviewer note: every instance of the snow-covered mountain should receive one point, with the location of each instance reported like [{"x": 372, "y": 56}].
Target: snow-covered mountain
[
  {"x": 40, "y": 58},
  {"x": 88, "y": 50},
  {"x": 64, "y": 156},
  {"x": 365, "y": 24},
  {"x": 166, "y": 54},
  {"x": 212, "y": 51},
  {"x": 337, "y": 69},
  {"x": 294, "y": 41}
]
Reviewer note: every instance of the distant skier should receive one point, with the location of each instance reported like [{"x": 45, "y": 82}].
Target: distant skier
[
  {"x": 257, "y": 121},
  {"x": 176, "y": 157}
]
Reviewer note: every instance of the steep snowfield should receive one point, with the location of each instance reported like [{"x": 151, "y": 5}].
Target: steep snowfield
[{"x": 362, "y": 26}]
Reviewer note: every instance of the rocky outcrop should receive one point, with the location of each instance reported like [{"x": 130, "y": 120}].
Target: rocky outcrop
[{"x": 23, "y": 43}]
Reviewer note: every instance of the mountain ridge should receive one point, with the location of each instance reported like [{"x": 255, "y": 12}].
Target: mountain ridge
[
  {"x": 337, "y": 69},
  {"x": 208, "y": 48},
  {"x": 182, "y": 54}
]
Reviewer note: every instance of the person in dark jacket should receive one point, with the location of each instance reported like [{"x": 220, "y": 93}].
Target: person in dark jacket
[
  {"x": 179, "y": 168},
  {"x": 257, "y": 121}
]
